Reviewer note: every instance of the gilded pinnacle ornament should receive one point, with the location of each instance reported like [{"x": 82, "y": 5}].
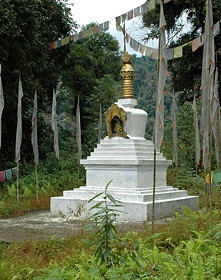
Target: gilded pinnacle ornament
[{"x": 127, "y": 73}]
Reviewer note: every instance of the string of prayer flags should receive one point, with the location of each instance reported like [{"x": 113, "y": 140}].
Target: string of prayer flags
[
  {"x": 54, "y": 125},
  {"x": 8, "y": 174},
  {"x": 34, "y": 134},
  {"x": 1, "y": 105},
  {"x": 197, "y": 134},
  {"x": 19, "y": 121}
]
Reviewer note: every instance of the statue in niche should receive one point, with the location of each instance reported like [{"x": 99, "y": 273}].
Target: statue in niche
[{"x": 115, "y": 118}]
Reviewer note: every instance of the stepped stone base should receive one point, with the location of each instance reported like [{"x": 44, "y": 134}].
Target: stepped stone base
[{"x": 129, "y": 163}]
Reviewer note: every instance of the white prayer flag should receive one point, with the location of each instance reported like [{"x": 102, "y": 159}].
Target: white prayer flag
[
  {"x": 215, "y": 117},
  {"x": 19, "y": 121},
  {"x": 173, "y": 118},
  {"x": 78, "y": 130},
  {"x": 208, "y": 67},
  {"x": 162, "y": 60},
  {"x": 54, "y": 125},
  {"x": 1, "y": 105},
  {"x": 34, "y": 135},
  {"x": 197, "y": 136},
  {"x": 100, "y": 124}
]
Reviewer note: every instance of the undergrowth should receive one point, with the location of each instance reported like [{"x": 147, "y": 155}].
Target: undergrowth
[{"x": 169, "y": 254}]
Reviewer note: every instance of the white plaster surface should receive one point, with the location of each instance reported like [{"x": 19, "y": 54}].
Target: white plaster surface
[{"x": 129, "y": 164}]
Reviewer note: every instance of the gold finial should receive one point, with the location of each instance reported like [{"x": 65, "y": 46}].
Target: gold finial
[{"x": 127, "y": 73}]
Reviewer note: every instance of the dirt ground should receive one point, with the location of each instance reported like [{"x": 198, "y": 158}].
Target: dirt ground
[{"x": 40, "y": 225}]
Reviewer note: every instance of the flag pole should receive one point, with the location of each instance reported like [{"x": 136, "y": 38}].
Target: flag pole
[
  {"x": 159, "y": 118},
  {"x": 17, "y": 190},
  {"x": 78, "y": 138},
  {"x": 36, "y": 180}
]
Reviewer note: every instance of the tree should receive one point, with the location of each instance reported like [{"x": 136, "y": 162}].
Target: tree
[
  {"x": 27, "y": 27},
  {"x": 191, "y": 62},
  {"x": 92, "y": 71},
  {"x": 145, "y": 83}
]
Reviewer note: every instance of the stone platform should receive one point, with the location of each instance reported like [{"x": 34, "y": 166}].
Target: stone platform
[{"x": 129, "y": 164}]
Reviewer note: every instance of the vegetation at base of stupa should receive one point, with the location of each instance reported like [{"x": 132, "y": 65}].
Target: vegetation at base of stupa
[{"x": 186, "y": 247}]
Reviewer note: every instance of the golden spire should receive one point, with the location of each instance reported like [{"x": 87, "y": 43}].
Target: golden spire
[{"x": 127, "y": 73}]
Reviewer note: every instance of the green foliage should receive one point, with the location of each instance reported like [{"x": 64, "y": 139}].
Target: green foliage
[
  {"x": 197, "y": 256},
  {"x": 92, "y": 72},
  {"x": 145, "y": 88},
  {"x": 26, "y": 30},
  {"x": 103, "y": 224},
  {"x": 11, "y": 191}
]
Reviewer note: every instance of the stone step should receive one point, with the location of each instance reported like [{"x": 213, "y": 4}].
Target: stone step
[
  {"x": 125, "y": 196},
  {"x": 143, "y": 190}
]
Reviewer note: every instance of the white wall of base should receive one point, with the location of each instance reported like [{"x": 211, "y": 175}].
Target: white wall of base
[{"x": 134, "y": 211}]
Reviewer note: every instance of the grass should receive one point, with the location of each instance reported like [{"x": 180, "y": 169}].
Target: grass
[{"x": 180, "y": 248}]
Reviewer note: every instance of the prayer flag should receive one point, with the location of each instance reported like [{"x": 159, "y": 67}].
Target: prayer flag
[
  {"x": 216, "y": 29},
  {"x": 52, "y": 46},
  {"x": 124, "y": 17},
  {"x": 141, "y": 49},
  {"x": 59, "y": 43},
  {"x": 8, "y": 174},
  {"x": 118, "y": 21},
  {"x": 19, "y": 121},
  {"x": 55, "y": 44},
  {"x": 178, "y": 52},
  {"x": 100, "y": 125},
  {"x": 149, "y": 51},
  {"x": 130, "y": 15},
  {"x": 197, "y": 135},
  {"x": 151, "y": 5},
  {"x": 54, "y": 124},
  {"x": 14, "y": 171},
  {"x": 215, "y": 117},
  {"x": 170, "y": 53},
  {"x": 208, "y": 66},
  {"x": 78, "y": 130},
  {"x": 155, "y": 54},
  {"x": 196, "y": 43},
  {"x": 137, "y": 12},
  {"x": 136, "y": 45},
  {"x": 144, "y": 8},
  {"x": 106, "y": 26},
  {"x": 1, "y": 105},
  {"x": 162, "y": 55},
  {"x": 2, "y": 176},
  {"x": 34, "y": 135},
  {"x": 173, "y": 118},
  {"x": 217, "y": 177}
]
